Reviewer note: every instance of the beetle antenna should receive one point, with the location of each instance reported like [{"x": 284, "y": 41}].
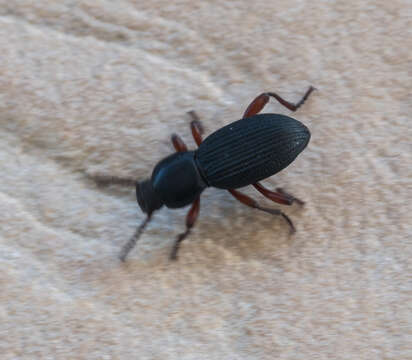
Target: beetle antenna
[
  {"x": 133, "y": 240},
  {"x": 107, "y": 180}
]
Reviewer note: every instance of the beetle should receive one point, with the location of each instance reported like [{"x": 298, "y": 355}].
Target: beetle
[{"x": 239, "y": 154}]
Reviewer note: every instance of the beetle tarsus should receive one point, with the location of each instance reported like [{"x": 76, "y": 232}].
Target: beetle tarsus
[
  {"x": 248, "y": 201},
  {"x": 292, "y": 228},
  {"x": 191, "y": 218},
  {"x": 260, "y": 101},
  {"x": 289, "y": 105},
  {"x": 176, "y": 246},
  {"x": 293, "y": 198},
  {"x": 133, "y": 240},
  {"x": 275, "y": 196}
]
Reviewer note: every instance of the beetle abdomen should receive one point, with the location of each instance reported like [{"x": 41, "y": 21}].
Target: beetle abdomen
[{"x": 250, "y": 150}]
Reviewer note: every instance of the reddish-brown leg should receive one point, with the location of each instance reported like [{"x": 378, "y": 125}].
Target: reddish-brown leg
[
  {"x": 178, "y": 143},
  {"x": 196, "y": 127},
  {"x": 191, "y": 218},
  {"x": 244, "y": 199},
  {"x": 255, "y": 107},
  {"x": 259, "y": 103},
  {"x": 278, "y": 196},
  {"x": 294, "y": 199}
]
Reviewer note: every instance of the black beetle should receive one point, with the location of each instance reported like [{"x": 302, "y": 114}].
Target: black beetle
[{"x": 239, "y": 154}]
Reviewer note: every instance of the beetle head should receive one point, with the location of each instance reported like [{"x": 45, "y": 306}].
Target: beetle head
[{"x": 147, "y": 199}]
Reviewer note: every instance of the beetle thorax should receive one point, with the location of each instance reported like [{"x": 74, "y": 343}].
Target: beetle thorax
[{"x": 176, "y": 180}]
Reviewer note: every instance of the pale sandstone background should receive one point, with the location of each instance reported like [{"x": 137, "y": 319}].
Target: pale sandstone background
[{"x": 98, "y": 86}]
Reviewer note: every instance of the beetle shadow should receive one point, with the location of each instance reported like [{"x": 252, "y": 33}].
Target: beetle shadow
[
  {"x": 239, "y": 231},
  {"x": 225, "y": 228}
]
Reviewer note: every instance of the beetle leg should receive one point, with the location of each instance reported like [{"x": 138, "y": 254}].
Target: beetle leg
[
  {"x": 278, "y": 196},
  {"x": 259, "y": 102},
  {"x": 196, "y": 127},
  {"x": 191, "y": 218},
  {"x": 178, "y": 143},
  {"x": 248, "y": 201},
  {"x": 256, "y": 105},
  {"x": 294, "y": 199}
]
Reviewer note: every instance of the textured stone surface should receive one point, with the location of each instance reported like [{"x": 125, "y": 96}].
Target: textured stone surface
[{"x": 98, "y": 87}]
